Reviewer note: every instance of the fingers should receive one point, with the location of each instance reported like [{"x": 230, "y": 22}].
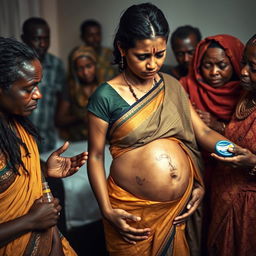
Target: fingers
[
  {"x": 132, "y": 235},
  {"x": 82, "y": 157},
  {"x": 62, "y": 149},
  {"x": 183, "y": 217},
  {"x": 132, "y": 238},
  {"x": 79, "y": 160},
  {"x": 224, "y": 159},
  {"x": 197, "y": 195}
]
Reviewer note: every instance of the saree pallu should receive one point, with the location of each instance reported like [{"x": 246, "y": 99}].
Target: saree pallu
[
  {"x": 162, "y": 113},
  {"x": 18, "y": 199}
]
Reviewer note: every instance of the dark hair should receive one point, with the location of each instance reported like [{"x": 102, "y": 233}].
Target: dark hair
[
  {"x": 33, "y": 21},
  {"x": 252, "y": 40},
  {"x": 13, "y": 54},
  {"x": 88, "y": 23},
  {"x": 138, "y": 22},
  {"x": 183, "y": 32},
  {"x": 215, "y": 44}
]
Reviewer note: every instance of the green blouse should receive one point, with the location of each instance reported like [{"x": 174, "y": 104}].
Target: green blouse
[{"x": 107, "y": 104}]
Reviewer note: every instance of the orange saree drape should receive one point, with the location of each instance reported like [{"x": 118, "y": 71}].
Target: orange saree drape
[{"x": 19, "y": 197}]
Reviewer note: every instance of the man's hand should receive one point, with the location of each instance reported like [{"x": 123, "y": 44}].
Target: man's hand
[{"x": 61, "y": 167}]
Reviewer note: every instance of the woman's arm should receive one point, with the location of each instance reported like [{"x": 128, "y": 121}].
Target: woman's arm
[
  {"x": 96, "y": 173},
  {"x": 97, "y": 129},
  {"x": 205, "y": 136}
]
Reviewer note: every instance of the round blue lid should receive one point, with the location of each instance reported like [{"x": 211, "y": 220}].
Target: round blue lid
[{"x": 221, "y": 148}]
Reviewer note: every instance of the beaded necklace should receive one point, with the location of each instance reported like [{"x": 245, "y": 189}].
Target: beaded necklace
[
  {"x": 246, "y": 106},
  {"x": 130, "y": 86}
]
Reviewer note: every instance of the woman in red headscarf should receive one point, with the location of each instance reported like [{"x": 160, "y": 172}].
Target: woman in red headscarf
[
  {"x": 214, "y": 90},
  {"x": 213, "y": 80}
]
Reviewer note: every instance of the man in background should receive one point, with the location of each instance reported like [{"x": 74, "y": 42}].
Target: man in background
[
  {"x": 183, "y": 43},
  {"x": 36, "y": 34}
]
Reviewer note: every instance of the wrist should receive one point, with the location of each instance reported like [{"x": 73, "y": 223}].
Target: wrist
[
  {"x": 29, "y": 222},
  {"x": 106, "y": 213}
]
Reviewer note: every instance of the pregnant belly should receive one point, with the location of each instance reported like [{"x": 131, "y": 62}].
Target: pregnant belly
[{"x": 158, "y": 171}]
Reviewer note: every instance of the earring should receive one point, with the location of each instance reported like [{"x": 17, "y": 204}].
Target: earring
[{"x": 121, "y": 63}]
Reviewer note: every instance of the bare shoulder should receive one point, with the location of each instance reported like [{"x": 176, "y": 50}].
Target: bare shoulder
[{"x": 117, "y": 81}]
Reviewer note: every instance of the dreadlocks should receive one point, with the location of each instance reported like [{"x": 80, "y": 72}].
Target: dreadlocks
[{"x": 13, "y": 54}]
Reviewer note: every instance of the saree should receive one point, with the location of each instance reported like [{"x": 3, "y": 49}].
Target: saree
[
  {"x": 219, "y": 102},
  {"x": 16, "y": 201},
  {"x": 233, "y": 221},
  {"x": 161, "y": 113}
]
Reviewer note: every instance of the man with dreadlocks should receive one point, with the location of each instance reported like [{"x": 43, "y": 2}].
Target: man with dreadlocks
[{"x": 27, "y": 224}]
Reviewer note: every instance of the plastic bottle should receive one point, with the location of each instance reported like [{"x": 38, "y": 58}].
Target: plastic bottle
[{"x": 47, "y": 194}]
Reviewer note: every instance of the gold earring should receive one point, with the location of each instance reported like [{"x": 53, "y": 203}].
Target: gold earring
[{"x": 121, "y": 63}]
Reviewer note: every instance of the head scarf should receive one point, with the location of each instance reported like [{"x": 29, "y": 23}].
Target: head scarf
[{"x": 220, "y": 101}]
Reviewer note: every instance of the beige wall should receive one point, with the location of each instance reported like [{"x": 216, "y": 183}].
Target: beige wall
[
  {"x": 234, "y": 17},
  {"x": 49, "y": 11}
]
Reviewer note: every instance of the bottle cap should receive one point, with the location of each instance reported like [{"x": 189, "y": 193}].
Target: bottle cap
[{"x": 222, "y": 146}]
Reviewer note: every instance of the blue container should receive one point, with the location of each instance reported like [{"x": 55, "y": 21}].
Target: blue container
[{"x": 221, "y": 148}]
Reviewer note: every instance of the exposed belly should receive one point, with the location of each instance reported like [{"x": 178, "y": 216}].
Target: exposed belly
[{"x": 158, "y": 171}]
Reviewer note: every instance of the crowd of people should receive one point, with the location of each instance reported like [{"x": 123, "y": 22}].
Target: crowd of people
[{"x": 168, "y": 191}]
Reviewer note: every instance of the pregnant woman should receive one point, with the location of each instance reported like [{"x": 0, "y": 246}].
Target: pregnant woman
[{"x": 154, "y": 182}]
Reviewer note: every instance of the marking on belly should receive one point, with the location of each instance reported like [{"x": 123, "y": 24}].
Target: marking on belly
[
  {"x": 173, "y": 168},
  {"x": 140, "y": 181}
]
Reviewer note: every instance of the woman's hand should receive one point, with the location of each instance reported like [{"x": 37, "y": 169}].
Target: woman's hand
[
  {"x": 242, "y": 157},
  {"x": 61, "y": 167},
  {"x": 121, "y": 219},
  {"x": 196, "y": 198},
  {"x": 43, "y": 215}
]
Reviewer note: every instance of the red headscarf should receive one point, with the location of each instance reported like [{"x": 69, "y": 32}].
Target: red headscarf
[{"x": 221, "y": 101}]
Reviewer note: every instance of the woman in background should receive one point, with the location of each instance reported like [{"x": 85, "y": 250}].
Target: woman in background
[
  {"x": 213, "y": 80},
  {"x": 233, "y": 194},
  {"x": 214, "y": 89},
  {"x": 82, "y": 81}
]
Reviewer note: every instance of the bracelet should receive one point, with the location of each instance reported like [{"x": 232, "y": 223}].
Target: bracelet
[{"x": 253, "y": 171}]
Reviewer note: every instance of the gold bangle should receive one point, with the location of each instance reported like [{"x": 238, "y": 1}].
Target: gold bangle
[{"x": 253, "y": 171}]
